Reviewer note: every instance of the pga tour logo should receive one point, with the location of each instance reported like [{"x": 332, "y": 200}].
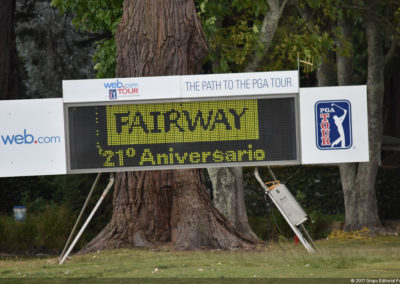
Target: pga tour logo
[
  {"x": 117, "y": 89},
  {"x": 333, "y": 125},
  {"x": 112, "y": 94}
]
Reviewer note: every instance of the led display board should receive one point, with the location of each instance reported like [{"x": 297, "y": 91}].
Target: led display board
[{"x": 249, "y": 131}]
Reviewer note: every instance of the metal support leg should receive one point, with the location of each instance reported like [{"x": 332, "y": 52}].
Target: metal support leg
[
  {"x": 89, "y": 218},
  {"x": 80, "y": 215},
  {"x": 308, "y": 236}
]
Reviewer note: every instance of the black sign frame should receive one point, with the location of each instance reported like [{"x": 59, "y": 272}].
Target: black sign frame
[{"x": 294, "y": 114}]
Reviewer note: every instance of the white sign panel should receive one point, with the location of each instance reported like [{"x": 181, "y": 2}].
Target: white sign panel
[
  {"x": 334, "y": 124},
  {"x": 32, "y": 138},
  {"x": 180, "y": 87},
  {"x": 239, "y": 84},
  {"x": 121, "y": 89}
]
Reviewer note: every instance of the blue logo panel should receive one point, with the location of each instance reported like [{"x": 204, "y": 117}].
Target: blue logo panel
[
  {"x": 333, "y": 125},
  {"x": 112, "y": 94}
]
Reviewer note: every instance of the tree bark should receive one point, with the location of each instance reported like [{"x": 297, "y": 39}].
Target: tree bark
[
  {"x": 8, "y": 56},
  {"x": 326, "y": 71},
  {"x": 344, "y": 63},
  {"x": 158, "y": 207},
  {"x": 228, "y": 187},
  {"x": 358, "y": 179}
]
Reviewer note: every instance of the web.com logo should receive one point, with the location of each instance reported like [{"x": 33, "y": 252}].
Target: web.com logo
[
  {"x": 26, "y": 138},
  {"x": 120, "y": 89}
]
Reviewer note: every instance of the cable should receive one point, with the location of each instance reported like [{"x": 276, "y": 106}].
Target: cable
[
  {"x": 266, "y": 198},
  {"x": 274, "y": 220}
]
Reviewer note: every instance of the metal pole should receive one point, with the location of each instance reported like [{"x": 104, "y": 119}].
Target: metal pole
[
  {"x": 308, "y": 236},
  {"x": 89, "y": 218},
  {"x": 80, "y": 214}
]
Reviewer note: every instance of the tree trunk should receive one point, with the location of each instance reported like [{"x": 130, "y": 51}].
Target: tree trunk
[
  {"x": 268, "y": 28},
  {"x": 228, "y": 183},
  {"x": 358, "y": 179},
  {"x": 228, "y": 196},
  {"x": 157, "y": 207},
  {"x": 8, "y": 56},
  {"x": 344, "y": 63},
  {"x": 326, "y": 72}
]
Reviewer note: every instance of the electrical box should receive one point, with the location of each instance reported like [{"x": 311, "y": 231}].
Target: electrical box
[{"x": 288, "y": 204}]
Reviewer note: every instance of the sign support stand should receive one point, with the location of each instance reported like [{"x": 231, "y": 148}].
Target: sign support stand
[
  {"x": 80, "y": 215},
  {"x": 309, "y": 247},
  {"x": 88, "y": 219}
]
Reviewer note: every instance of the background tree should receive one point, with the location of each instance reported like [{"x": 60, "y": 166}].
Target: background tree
[
  {"x": 252, "y": 27},
  {"x": 359, "y": 179},
  {"x": 322, "y": 30}
]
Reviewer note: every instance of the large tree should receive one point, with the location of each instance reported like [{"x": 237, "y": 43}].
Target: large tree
[
  {"x": 358, "y": 179},
  {"x": 153, "y": 38}
]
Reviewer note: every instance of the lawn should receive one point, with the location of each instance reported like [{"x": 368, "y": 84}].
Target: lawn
[{"x": 368, "y": 259}]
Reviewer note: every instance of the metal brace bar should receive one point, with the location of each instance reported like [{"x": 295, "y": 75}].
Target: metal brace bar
[{"x": 88, "y": 219}]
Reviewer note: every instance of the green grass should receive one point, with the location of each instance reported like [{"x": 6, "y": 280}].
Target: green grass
[{"x": 376, "y": 258}]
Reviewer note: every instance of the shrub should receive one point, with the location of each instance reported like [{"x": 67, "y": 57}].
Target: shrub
[{"x": 45, "y": 231}]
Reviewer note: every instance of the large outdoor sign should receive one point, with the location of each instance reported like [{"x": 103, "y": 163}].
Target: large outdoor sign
[
  {"x": 32, "y": 137},
  {"x": 182, "y": 121},
  {"x": 183, "y": 134},
  {"x": 244, "y": 119}
]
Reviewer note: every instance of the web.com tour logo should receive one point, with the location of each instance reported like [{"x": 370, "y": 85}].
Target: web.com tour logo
[
  {"x": 118, "y": 89},
  {"x": 28, "y": 138},
  {"x": 333, "y": 125}
]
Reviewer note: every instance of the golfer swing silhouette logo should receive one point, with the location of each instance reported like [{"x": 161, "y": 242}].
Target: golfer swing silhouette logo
[
  {"x": 333, "y": 125},
  {"x": 339, "y": 124}
]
